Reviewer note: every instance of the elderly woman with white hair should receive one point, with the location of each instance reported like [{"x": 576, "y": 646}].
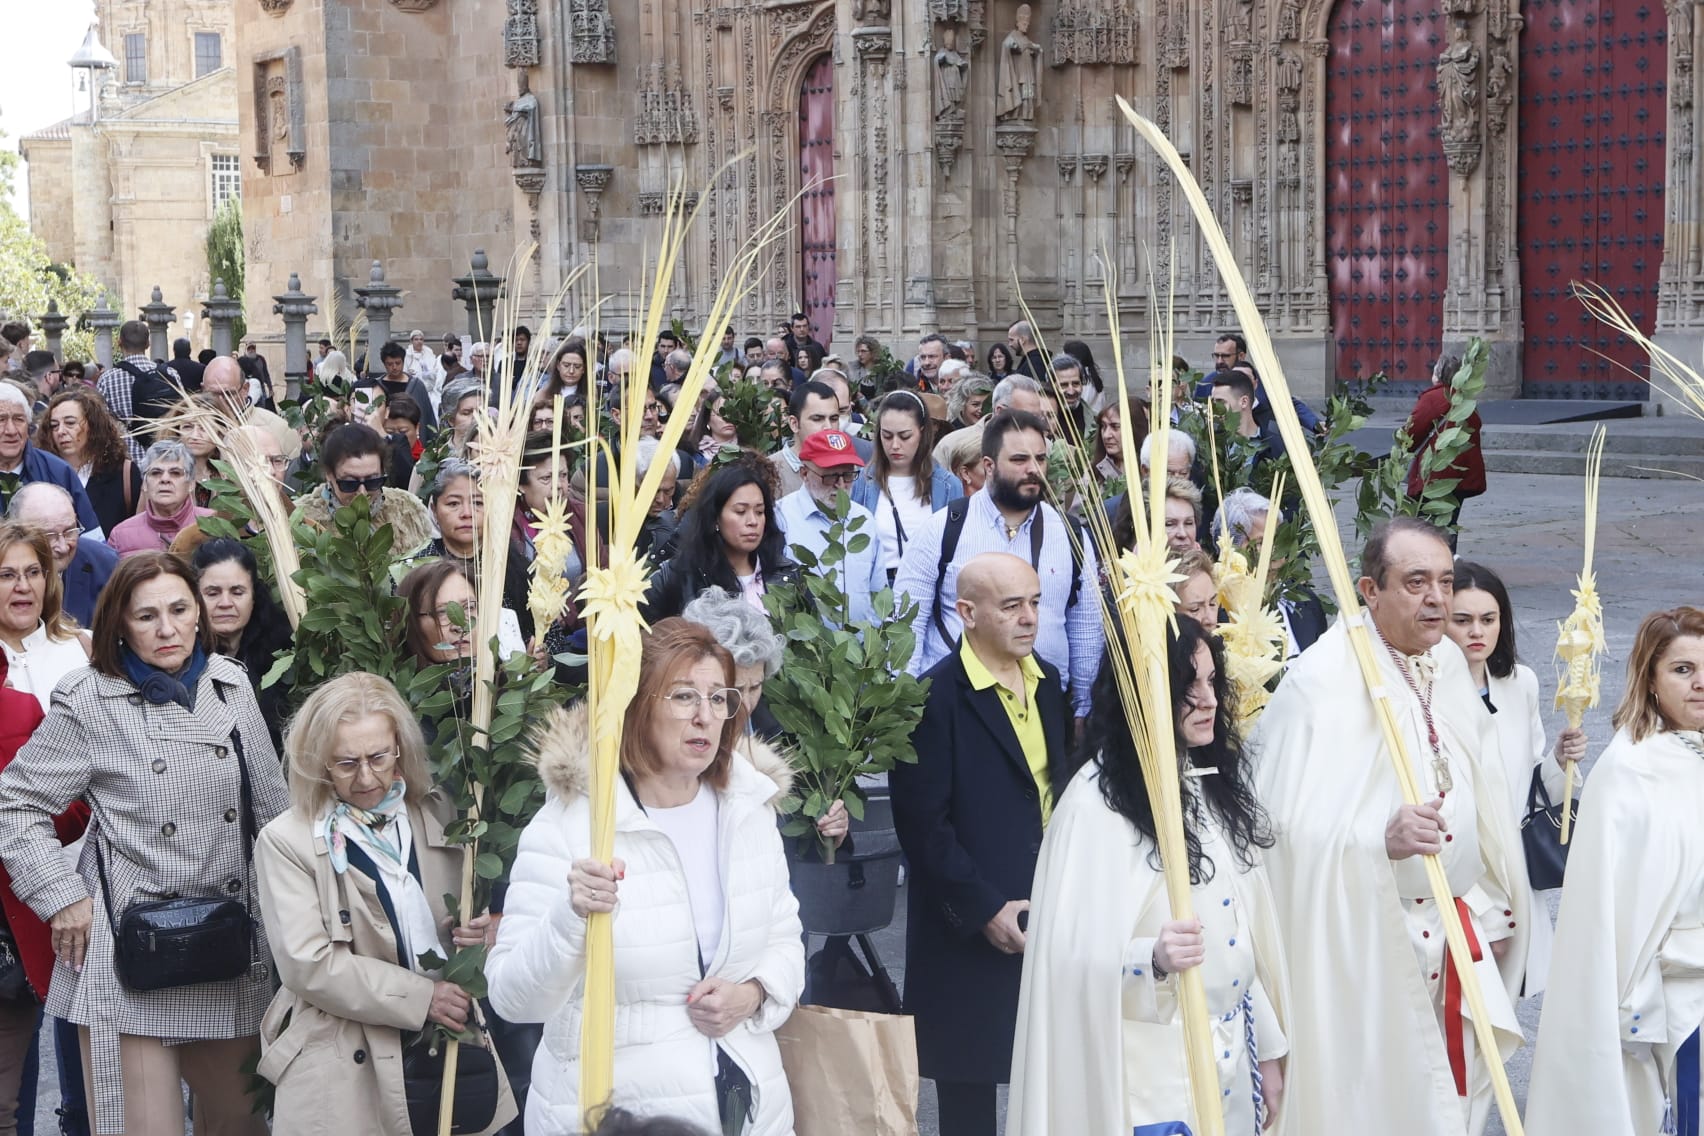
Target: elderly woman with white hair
[
  {"x": 168, "y": 501},
  {"x": 1180, "y": 453},
  {"x": 746, "y": 634}
]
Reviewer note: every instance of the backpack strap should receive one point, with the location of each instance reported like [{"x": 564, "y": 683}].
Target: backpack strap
[{"x": 957, "y": 510}]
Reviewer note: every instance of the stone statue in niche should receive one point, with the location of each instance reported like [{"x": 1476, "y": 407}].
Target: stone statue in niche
[
  {"x": 872, "y": 11},
  {"x": 1020, "y": 65},
  {"x": 1458, "y": 88},
  {"x": 591, "y": 32},
  {"x": 520, "y": 34},
  {"x": 950, "y": 70},
  {"x": 1290, "y": 20},
  {"x": 525, "y": 148}
]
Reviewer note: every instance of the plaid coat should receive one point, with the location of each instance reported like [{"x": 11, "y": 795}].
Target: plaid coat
[{"x": 163, "y": 787}]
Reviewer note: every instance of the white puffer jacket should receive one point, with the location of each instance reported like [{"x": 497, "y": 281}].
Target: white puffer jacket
[{"x": 663, "y": 1066}]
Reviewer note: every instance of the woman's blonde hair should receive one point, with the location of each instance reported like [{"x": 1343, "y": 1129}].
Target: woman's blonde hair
[
  {"x": 1638, "y": 712},
  {"x": 312, "y": 735},
  {"x": 60, "y": 626}
]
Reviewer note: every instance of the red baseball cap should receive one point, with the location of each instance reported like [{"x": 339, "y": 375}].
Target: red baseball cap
[{"x": 829, "y": 448}]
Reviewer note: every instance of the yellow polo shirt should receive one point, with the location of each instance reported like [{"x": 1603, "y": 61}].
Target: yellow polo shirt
[{"x": 1024, "y": 716}]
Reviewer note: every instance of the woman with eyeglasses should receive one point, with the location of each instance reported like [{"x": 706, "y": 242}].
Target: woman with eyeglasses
[
  {"x": 352, "y": 885},
  {"x": 709, "y": 959},
  {"x": 78, "y": 429},
  {"x": 168, "y": 501}
]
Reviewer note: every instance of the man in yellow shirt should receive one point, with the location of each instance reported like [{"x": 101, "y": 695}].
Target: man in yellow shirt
[{"x": 991, "y": 756}]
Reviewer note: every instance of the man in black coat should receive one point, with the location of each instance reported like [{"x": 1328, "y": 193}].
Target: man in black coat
[{"x": 991, "y": 752}]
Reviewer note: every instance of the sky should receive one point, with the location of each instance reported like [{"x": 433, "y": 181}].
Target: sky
[{"x": 35, "y": 84}]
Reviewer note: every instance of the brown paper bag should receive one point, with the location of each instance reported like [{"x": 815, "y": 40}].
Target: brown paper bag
[{"x": 850, "y": 1071}]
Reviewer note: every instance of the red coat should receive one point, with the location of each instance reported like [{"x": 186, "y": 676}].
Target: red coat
[
  {"x": 1424, "y": 423},
  {"x": 20, "y": 714}
]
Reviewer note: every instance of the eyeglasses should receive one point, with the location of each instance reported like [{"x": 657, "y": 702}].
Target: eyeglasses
[
  {"x": 684, "y": 703},
  {"x": 31, "y": 575},
  {"x": 379, "y": 763},
  {"x": 846, "y": 477},
  {"x": 374, "y": 484}
]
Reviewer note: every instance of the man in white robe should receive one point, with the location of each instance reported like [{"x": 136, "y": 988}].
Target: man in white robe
[{"x": 1378, "y": 1025}]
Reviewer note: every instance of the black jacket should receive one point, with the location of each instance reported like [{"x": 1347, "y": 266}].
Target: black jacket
[
  {"x": 675, "y": 585},
  {"x": 107, "y": 493},
  {"x": 968, "y": 816}
]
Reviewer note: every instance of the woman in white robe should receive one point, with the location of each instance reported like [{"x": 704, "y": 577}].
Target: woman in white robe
[
  {"x": 1482, "y": 623},
  {"x": 1617, "y": 1044},
  {"x": 1099, "y": 1044}
]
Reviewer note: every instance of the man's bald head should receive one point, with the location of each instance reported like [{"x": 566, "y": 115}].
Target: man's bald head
[
  {"x": 998, "y": 599},
  {"x": 224, "y": 377},
  {"x": 51, "y": 509}
]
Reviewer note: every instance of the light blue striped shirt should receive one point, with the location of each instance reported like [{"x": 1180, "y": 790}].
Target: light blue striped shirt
[
  {"x": 861, "y": 574},
  {"x": 1069, "y": 638}
]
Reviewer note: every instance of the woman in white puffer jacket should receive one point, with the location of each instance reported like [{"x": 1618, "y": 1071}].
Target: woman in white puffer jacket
[{"x": 708, "y": 955}]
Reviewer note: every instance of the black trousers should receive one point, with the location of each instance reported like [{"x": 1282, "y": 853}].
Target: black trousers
[{"x": 967, "y": 1108}]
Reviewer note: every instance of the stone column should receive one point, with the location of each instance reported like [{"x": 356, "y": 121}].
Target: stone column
[
  {"x": 103, "y": 320},
  {"x": 479, "y": 290},
  {"x": 295, "y": 308},
  {"x": 157, "y": 314},
  {"x": 221, "y": 312},
  {"x": 378, "y": 300},
  {"x": 53, "y": 325}
]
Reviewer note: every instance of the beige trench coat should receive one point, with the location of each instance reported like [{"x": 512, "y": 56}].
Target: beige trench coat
[{"x": 332, "y": 1039}]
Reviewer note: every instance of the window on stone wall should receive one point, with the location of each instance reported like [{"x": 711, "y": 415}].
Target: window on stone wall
[
  {"x": 227, "y": 179},
  {"x": 208, "y": 53},
  {"x": 135, "y": 58}
]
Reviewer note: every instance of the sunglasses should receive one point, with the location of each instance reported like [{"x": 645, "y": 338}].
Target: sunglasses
[{"x": 373, "y": 484}]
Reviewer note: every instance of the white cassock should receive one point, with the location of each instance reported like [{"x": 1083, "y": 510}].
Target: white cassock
[
  {"x": 1627, "y": 975},
  {"x": 1099, "y": 1047},
  {"x": 1369, "y": 982},
  {"x": 1521, "y": 738}
]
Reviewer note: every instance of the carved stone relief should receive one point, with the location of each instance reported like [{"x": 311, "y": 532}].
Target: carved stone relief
[
  {"x": 279, "y": 115},
  {"x": 1094, "y": 31},
  {"x": 1458, "y": 98},
  {"x": 1020, "y": 64},
  {"x": 520, "y": 34},
  {"x": 951, "y": 68},
  {"x": 591, "y": 32},
  {"x": 665, "y": 112}
]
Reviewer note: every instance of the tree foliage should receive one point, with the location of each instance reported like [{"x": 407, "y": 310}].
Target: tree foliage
[
  {"x": 226, "y": 259},
  {"x": 29, "y": 278}
]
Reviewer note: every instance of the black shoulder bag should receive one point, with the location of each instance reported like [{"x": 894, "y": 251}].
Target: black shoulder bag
[
  {"x": 1541, "y": 835},
  {"x": 166, "y": 943}
]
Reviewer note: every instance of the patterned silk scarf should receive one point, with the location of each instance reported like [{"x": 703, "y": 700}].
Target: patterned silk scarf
[{"x": 376, "y": 823}]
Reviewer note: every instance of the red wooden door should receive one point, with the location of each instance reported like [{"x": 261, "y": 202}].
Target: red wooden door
[
  {"x": 816, "y": 206},
  {"x": 1387, "y": 189},
  {"x": 1591, "y": 191}
]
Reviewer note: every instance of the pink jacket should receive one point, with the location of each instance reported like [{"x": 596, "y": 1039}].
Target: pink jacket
[{"x": 148, "y": 532}]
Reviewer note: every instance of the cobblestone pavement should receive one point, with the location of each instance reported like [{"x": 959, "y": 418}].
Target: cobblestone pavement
[{"x": 1650, "y": 554}]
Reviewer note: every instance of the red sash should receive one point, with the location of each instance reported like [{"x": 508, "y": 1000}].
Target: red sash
[{"x": 1453, "y": 1029}]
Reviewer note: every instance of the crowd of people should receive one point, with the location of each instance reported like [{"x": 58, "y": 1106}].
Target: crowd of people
[{"x": 290, "y": 847}]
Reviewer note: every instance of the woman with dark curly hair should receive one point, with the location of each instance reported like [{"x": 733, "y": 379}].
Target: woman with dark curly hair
[
  {"x": 1099, "y": 1043},
  {"x": 78, "y": 428}
]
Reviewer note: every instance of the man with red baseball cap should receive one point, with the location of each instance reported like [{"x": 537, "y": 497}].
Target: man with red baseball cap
[{"x": 828, "y": 464}]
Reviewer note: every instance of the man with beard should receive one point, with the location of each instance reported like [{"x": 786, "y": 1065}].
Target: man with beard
[{"x": 1008, "y": 515}]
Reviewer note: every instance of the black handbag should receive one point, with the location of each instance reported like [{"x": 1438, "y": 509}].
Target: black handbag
[
  {"x": 14, "y": 984},
  {"x": 477, "y": 1087},
  {"x": 163, "y": 944},
  {"x": 1541, "y": 835}
]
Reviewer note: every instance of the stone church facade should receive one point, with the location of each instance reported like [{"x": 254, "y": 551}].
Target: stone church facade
[{"x": 1395, "y": 176}]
